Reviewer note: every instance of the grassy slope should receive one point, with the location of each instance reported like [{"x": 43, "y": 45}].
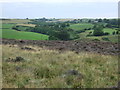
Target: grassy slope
[
  {"x": 13, "y": 34},
  {"x": 109, "y": 30},
  {"x": 112, "y": 38},
  {"x": 7, "y": 26},
  {"x": 81, "y": 26},
  {"x": 44, "y": 69}
]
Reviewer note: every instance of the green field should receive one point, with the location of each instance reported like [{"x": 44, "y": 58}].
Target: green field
[
  {"x": 112, "y": 38},
  {"x": 22, "y": 28},
  {"x": 13, "y": 34},
  {"x": 83, "y": 35},
  {"x": 9, "y": 26},
  {"x": 109, "y": 30},
  {"x": 81, "y": 26}
]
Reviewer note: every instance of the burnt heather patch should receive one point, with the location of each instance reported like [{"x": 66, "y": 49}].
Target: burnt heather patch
[{"x": 76, "y": 46}]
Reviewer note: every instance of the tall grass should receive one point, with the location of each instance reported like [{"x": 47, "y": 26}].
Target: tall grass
[{"x": 44, "y": 68}]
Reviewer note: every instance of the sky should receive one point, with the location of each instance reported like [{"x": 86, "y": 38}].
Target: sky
[{"x": 59, "y": 8}]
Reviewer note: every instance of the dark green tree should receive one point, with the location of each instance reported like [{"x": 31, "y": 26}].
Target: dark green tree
[
  {"x": 117, "y": 32},
  {"x": 63, "y": 35},
  {"x": 100, "y": 20},
  {"x": 109, "y": 25},
  {"x": 90, "y": 33},
  {"x": 98, "y": 30},
  {"x": 113, "y": 33}
]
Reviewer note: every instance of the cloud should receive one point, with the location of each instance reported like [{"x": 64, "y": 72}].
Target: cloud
[{"x": 58, "y": 1}]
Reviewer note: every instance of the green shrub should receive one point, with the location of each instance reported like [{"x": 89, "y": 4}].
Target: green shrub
[
  {"x": 105, "y": 38},
  {"x": 96, "y": 40},
  {"x": 106, "y": 33}
]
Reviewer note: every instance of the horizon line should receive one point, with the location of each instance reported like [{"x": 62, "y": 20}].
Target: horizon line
[{"x": 63, "y": 18}]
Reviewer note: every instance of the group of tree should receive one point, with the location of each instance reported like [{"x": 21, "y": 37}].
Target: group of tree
[
  {"x": 115, "y": 32},
  {"x": 60, "y": 35},
  {"x": 55, "y": 31},
  {"x": 98, "y": 30},
  {"x": 110, "y": 23}
]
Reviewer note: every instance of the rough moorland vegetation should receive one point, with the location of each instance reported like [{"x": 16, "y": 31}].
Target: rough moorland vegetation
[{"x": 35, "y": 67}]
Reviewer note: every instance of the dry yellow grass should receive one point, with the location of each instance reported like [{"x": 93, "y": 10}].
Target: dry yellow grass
[
  {"x": 44, "y": 68},
  {"x": 19, "y": 21},
  {"x": 63, "y": 20},
  {"x": 29, "y": 25}
]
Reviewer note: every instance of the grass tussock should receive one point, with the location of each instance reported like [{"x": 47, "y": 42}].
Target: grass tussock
[{"x": 45, "y": 69}]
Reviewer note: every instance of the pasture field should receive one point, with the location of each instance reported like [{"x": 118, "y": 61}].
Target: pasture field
[
  {"x": 22, "y": 28},
  {"x": 13, "y": 34},
  {"x": 42, "y": 68},
  {"x": 28, "y": 25},
  {"x": 8, "y": 26},
  {"x": 10, "y": 33},
  {"x": 81, "y": 26},
  {"x": 15, "y": 21},
  {"x": 109, "y": 30},
  {"x": 63, "y": 20},
  {"x": 112, "y": 38}
]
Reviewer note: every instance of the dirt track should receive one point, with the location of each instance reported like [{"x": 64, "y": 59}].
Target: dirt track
[{"x": 77, "y": 46}]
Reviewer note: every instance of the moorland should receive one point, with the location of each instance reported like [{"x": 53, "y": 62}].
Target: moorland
[{"x": 60, "y": 53}]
